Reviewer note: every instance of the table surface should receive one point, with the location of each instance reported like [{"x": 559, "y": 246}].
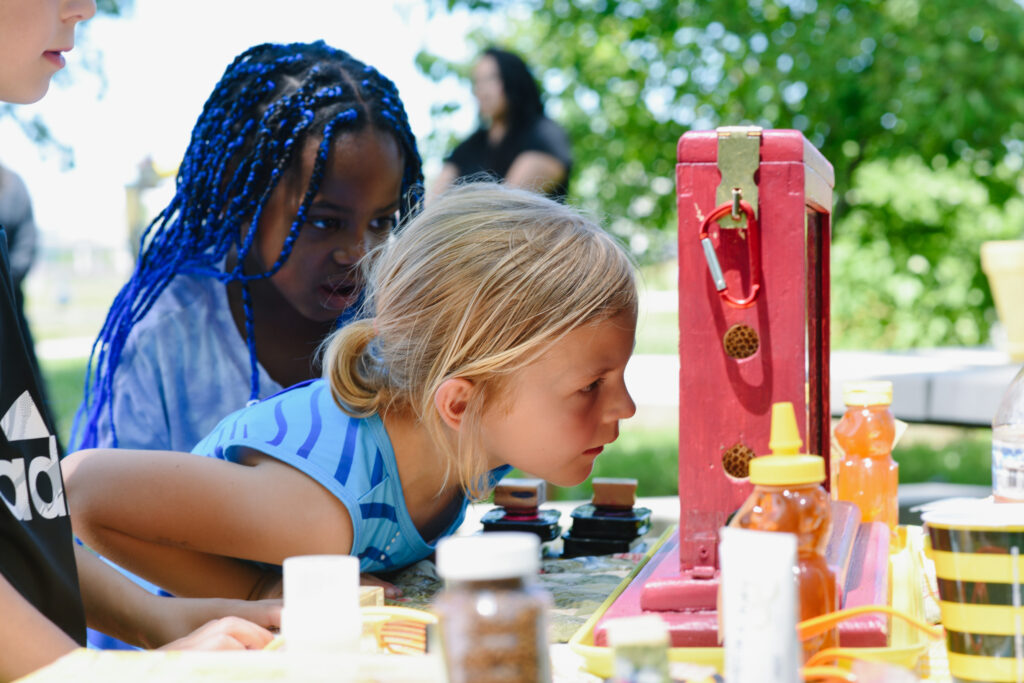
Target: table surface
[{"x": 579, "y": 586}]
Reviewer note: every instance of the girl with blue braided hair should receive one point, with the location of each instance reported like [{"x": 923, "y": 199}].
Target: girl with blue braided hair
[{"x": 301, "y": 161}]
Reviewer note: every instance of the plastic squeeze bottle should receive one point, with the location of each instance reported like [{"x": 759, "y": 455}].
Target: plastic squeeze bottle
[
  {"x": 867, "y": 475},
  {"x": 1008, "y": 444},
  {"x": 788, "y": 496}
]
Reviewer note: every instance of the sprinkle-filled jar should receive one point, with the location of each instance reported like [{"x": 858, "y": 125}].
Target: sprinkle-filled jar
[{"x": 492, "y": 614}]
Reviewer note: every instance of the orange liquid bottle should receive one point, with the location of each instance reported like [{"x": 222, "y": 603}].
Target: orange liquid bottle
[
  {"x": 866, "y": 473},
  {"x": 788, "y": 496}
]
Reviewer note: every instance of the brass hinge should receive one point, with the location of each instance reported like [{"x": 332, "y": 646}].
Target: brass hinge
[{"x": 739, "y": 155}]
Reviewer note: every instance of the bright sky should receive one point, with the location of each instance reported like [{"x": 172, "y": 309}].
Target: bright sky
[{"x": 162, "y": 61}]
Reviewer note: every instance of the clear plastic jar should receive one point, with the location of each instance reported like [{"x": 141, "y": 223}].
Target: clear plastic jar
[{"x": 492, "y": 616}]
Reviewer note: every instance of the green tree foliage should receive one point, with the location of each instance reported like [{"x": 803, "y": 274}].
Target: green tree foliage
[
  {"x": 113, "y": 8},
  {"x": 905, "y": 264},
  {"x": 918, "y": 105}
]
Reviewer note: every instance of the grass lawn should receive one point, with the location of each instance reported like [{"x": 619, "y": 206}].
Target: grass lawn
[
  {"x": 64, "y": 383},
  {"x": 649, "y": 455},
  {"x": 957, "y": 455}
]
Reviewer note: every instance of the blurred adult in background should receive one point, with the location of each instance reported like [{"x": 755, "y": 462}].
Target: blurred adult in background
[{"x": 515, "y": 142}]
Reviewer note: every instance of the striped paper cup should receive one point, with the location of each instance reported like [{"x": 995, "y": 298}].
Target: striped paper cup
[{"x": 978, "y": 550}]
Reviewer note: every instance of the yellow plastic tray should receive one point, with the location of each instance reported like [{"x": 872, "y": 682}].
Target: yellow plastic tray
[{"x": 909, "y": 647}]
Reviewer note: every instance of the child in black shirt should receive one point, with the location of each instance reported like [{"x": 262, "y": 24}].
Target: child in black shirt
[{"x": 44, "y": 612}]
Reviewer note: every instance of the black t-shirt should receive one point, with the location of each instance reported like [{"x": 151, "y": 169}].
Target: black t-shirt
[
  {"x": 36, "y": 552},
  {"x": 476, "y": 156}
]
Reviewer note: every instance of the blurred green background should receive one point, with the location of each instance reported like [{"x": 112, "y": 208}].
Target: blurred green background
[{"x": 918, "y": 106}]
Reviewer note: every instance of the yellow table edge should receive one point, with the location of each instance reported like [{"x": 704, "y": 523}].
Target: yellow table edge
[{"x": 599, "y": 660}]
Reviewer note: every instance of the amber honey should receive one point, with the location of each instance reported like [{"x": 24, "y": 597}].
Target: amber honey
[
  {"x": 803, "y": 510},
  {"x": 866, "y": 474}
]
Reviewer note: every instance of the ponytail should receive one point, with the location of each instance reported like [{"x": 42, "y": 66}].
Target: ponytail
[{"x": 358, "y": 382}]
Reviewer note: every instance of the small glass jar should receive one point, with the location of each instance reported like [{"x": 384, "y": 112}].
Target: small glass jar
[{"x": 492, "y": 615}]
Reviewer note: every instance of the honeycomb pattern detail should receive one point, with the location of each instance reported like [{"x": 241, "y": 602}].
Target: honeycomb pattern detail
[
  {"x": 736, "y": 461},
  {"x": 740, "y": 341}
]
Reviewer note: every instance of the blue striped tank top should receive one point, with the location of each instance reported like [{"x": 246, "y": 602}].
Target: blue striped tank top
[{"x": 351, "y": 457}]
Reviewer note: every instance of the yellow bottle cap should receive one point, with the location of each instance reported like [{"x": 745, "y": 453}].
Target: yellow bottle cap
[
  {"x": 782, "y": 470},
  {"x": 868, "y": 393},
  {"x": 784, "y": 437},
  {"x": 786, "y": 465}
]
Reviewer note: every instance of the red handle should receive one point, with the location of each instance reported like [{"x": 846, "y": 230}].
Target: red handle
[{"x": 754, "y": 253}]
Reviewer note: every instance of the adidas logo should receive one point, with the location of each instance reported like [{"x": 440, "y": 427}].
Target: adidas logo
[{"x": 22, "y": 422}]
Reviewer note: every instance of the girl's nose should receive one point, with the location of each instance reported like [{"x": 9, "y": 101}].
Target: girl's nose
[
  {"x": 348, "y": 253},
  {"x": 623, "y": 407},
  {"x": 350, "y": 247}
]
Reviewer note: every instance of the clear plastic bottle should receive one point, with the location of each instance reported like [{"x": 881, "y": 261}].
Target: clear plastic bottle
[
  {"x": 866, "y": 474},
  {"x": 788, "y": 497},
  {"x": 491, "y": 614},
  {"x": 1008, "y": 444}
]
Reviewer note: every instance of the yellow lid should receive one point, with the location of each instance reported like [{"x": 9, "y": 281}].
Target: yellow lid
[
  {"x": 867, "y": 393},
  {"x": 784, "y": 437},
  {"x": 786, "y": 465},
  {"x": 782, "y": 470}
]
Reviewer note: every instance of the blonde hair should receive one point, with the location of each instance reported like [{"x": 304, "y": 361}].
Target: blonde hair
[{"x": 478, "y": 285}]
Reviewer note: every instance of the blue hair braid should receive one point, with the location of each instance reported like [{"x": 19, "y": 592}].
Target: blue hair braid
[{"x": 270, "y": 101}]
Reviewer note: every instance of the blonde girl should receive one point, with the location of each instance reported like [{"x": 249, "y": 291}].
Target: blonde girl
[{"x": 502, "y": 325}]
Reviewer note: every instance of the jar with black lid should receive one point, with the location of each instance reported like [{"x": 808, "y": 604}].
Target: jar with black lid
[{"x": 492, "y": 614}]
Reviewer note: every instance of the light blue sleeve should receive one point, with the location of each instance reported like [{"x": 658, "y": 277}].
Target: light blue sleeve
[
  {"x": 183, "y": 369},
  {"x": 139, "y": 412}
]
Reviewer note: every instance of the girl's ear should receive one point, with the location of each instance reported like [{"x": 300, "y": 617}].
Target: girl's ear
[{"x": 451, "y": 400}]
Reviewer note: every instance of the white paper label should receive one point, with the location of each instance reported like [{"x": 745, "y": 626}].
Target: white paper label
[{"x": 759, "y": 606}]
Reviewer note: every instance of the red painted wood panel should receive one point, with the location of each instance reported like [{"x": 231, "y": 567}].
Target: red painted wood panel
[{"x": 725, "y": 401}]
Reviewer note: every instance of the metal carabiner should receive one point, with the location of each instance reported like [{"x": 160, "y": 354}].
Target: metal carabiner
[{"x": 754, "y": 253}]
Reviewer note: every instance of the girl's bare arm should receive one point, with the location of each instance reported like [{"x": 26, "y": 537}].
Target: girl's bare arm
[
  {"x": 116, "y": 606},
  {"x": 30, "y": 640},
  {"x": 183, "y": 521}
]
